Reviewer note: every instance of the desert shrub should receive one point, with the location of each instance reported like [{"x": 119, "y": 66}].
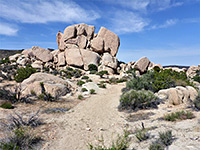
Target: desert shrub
[
  {"x": 46, "y": 97},
  {"x": 196, "y": 78},
  {"x": 8, "y": 95},
  {"x": 85, "y": 77},
  {"x": 24, "y": 73},
  {"x": 20, "y": 139},
  {"x": 102, "y": 73},
  {"x": 55, "y": 110},
  {"x": 80, "y": 97},
  {"x": 156, "y": 81},
  {"x": 80, "y": 83},
  {"x": 121, "y": 143},
  {"x": 70, "y": 72},
  {"x": 18, "y": 120},
  {"x": 7, "y": 105},
  {"x": 166, "y": 138},
  {"x": 46, "y": 69},
  {"x": 5, "y": 60},
  {"x": 92, "y": 91},
  {"x": 33, "y": 92},
  {"x": 88, "y": 80},
  {"x": 138, "y": 100},
  {"x": 77, "y": 73},
  {"x": 116, "y": 80},
  {"x": 180, "y": 115},
  {"x": 197, "y": 101},
  {"x": 93, "y": 72},
  {"x": 156, "y": 146},
  {"x": 84, "y": 90},
  {"x": 141, "y": 135},
  {"x": 92, "y": 67},
  {"x": 102, "y": 85}
]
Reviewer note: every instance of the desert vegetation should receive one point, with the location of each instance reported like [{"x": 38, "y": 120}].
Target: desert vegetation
[
  {"x": 158, "y": 79},
  {"x": 179, "y": 115},
  {"x": 140, "y": 99}
]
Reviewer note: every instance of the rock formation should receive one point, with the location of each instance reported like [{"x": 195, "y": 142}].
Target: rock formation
[
  {"x": 178, "y": 95},
  {"x": 78, "y": 46}
]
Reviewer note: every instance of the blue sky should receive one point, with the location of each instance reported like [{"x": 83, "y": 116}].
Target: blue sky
[{"x": 166, "y": 31}]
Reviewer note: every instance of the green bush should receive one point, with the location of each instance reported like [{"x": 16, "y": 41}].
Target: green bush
[
  {"x": 116, "y": 80},
  {"x": 84, "y": 90},
  {"x": 93, "y": 72},
  {"x": 156, "y": 146},
  {"x": 88, "y": 80},
  {"x": 92, "y": 67},
  {"x": 155, "y": 81},
  {"x": 5, "y": 60},
  {"x": 121, "y": 143},
  {"x": 85, "y": 77},
  {"x": 7, "y": 105},
  {"x": 46, "y": 97},
  {"x": 142, "y": 135},
  {"x": 196, "y": 78},
  {"x": 24, "y": 73},
  {"x": 33, "y": 93},
  {"x": 166, "y": 138},
  {"x": 70, "y": 72},
  {"x": 80, "y": 97},
  {"x": 197, "y": 102},
  {"x": 141, "y": 99},
  {"x": 20, "y": 139},
  {"x": 180, "y": 115},
  {"x": 102, "y": 85},
  {"x": 92, "y": 91},
  {"x": 102, "y": 73},
  {"x": 80, "y": 83}
]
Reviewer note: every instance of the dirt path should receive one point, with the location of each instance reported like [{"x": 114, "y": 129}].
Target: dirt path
[{"x": 96, "y": 116}]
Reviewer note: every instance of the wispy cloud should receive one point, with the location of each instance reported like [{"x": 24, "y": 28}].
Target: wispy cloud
[
  {"x": 7, "y": 29},
  {"x": 146, "y": 5},
  {"x": 127, "y": 22},
  {"x": 167, "y": 23},
  {"x": 45, "y": 11}
]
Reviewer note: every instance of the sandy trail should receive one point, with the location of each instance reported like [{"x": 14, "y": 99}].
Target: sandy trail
[{"x": 90, "y": 119}]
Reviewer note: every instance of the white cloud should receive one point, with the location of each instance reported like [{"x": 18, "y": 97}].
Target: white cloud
[
  {"x": 167, "y": 23},
  {"x": 146, "y": 5},
  {"x": 6, "y": 29},
  {"x": 126, "y": 22},
  {"x": 43, "y": 11},
  {"x": 134, "y": 4}
]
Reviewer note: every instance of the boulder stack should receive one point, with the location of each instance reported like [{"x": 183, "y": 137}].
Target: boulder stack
[
  {"x": 83, "y": 47},
  {"x": 78, "y": 46}
]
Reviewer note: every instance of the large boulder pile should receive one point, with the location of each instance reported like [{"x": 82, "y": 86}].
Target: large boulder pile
[
  {"x": 78, "y": 46},
  {"x": 141, "y": 66}
]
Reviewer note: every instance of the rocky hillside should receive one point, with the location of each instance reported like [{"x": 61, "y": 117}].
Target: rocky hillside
[{"x": 7, "y": 53}]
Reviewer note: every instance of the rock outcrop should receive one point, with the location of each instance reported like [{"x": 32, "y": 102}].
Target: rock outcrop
[
  {"x": 52, "y": 84},
  {"x": 191, "y": 72},
  {"x": 142, "y": 64},
  {"x": 78, "y": 46},
  {"x": 178, "y": 95}
]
